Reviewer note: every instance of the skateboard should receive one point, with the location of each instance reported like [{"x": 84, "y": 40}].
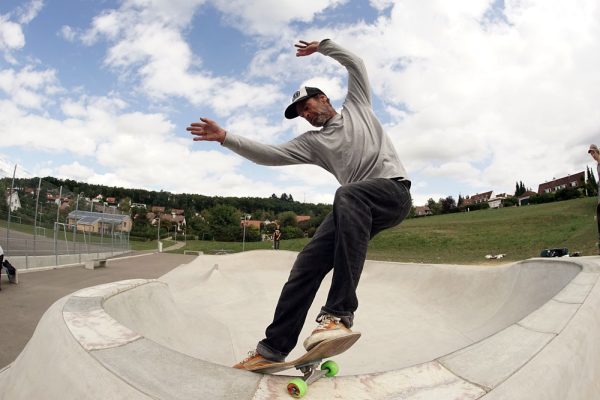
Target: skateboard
[{"x": 309, "y": 363}]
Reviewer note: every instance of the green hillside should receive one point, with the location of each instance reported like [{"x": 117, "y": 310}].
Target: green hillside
[{"x": 465, "y": 238}]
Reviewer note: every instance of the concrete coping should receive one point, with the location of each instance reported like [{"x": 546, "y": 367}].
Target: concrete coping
[{"x": 476, "y": 371}]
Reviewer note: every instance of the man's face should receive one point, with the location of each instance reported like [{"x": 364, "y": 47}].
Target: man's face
[
  {"x": 315, "y": 110},
  {"x": 595, "y": 155}
]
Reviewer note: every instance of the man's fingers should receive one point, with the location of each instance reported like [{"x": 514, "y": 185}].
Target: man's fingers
[{"x": 207, "y": 121}]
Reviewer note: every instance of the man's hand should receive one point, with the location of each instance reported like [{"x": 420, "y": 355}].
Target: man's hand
[
  {"x": 306, "y": 48},
  {"x": 207, "y": 130}
]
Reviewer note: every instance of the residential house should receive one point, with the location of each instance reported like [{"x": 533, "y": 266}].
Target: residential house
[
  {"x": 13, "y": 201},
  {"x": 96, "y": 222},
  {"x": 251, "y": 223},
  {"x": 157, "y": 210},
  {"x": 496, "y": 202},
  {"x": 571, "y": 181},
  {"x": 422, "y": 211},
  {"x": 302, "y": 218},
  {"x": 524, "y": 198},
  {"x": 477, "y": 199},
  {"x": 178, "y": 220}
]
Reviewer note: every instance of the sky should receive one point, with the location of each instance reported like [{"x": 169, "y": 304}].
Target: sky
[{"x": 476, "y": 94}]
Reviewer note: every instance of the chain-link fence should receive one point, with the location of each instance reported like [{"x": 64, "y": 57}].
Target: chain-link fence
[{"x": 43, "y": 224}]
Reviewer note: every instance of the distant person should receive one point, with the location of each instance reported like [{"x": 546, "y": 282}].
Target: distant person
[
  {"x": 276, "y": 238},
  {"x": 374, "y": 195},
  {"x": 593, "y": 151},
  {"x": 10, "y": 270}
]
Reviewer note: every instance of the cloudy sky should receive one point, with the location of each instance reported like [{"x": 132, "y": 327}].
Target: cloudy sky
[{"x": 476, "y": 94}]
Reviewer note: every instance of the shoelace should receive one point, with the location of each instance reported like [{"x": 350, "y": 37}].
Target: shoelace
[
  {"x": 324, "y": 319},
  {"x": 251, "y": 353}
]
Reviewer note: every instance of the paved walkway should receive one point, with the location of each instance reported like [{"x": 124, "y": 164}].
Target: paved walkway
[{"x": 24, "y": 304}]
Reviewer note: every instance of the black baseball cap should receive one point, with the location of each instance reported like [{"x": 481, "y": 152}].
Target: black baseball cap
[{"x": 302, "y": 94}]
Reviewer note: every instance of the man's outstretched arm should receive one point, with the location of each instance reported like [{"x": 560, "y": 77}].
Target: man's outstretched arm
[{"x": 296, "y": 151}]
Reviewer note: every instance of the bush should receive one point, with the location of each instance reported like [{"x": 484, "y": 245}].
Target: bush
[
  {"x": 542, "y": 198},
  {"x": 567, "y": 194},
  {"x": 291, "y": 232},
  {"x": 252, "y": 235},
  {"x": 510, "y": 202},
  {"x": 475, "y": 207},
  {"x": 228, "y": 233}
]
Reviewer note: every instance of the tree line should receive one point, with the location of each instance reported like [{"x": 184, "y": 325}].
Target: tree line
[{"x": 207, "y": 217}]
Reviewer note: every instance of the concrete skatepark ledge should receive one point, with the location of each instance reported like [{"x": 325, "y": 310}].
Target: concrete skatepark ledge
[{"x": 529, "y": 330}]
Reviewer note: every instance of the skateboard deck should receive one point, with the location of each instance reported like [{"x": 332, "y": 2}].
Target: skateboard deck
[
  {"x": 310, "y": 361},
  {"x": 325, "y": 349}
]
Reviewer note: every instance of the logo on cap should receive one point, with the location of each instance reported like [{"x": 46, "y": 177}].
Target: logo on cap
[{"x": 295, "y": 96}]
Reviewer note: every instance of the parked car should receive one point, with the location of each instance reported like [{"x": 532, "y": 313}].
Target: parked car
[{"x": 557, "y": 252}]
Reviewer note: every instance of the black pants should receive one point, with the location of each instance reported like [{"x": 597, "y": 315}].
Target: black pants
[
  {"x": 10, "y": 270},
  {"x": 360, "y": 211}
]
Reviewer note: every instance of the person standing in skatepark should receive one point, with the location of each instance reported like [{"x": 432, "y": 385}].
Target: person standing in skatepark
[
  {"x": 374, "y": 195},
  {"x": 276, "y": 239}
]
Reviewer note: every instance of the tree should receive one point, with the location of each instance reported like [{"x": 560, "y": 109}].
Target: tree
[
  {"x": 591, "y": 186},
  {"x": 224, "y": 222},
  {"x": 288, "y": 218},
  {"x": 435, "y": 208},
  {"x": 448, "y": 205},
  {"x": 520, "y": 189},
  {"x": 125, "y": 204}
]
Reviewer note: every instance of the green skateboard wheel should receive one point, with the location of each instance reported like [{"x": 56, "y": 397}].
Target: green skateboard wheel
[
  {"x": 297, "y": 388},
  {"x": 331, "y": 367}
]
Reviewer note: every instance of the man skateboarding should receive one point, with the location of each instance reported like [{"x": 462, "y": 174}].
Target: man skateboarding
[{"x": 374, "y": 195}]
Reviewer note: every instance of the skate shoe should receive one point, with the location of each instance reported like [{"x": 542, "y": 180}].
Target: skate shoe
[
  {"x": 330, "y": 327},
  {"x": 253, "y": 361}
]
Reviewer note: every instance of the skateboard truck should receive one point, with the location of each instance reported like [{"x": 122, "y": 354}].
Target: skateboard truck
[{"x": 298, "y": 387}]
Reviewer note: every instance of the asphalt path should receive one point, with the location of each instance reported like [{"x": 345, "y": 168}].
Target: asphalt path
[{"x": 24, "y": 304}]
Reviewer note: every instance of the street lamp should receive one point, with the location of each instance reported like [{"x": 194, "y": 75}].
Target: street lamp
[{"x": 244, "y": 219}]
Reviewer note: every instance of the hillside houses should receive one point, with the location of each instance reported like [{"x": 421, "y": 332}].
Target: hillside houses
[
  {"x": 477, "y": 198},
  {"x": 571, "y": 181},
  {"x": 174, "y": 217},
  {"x": 574, "y": 181}
]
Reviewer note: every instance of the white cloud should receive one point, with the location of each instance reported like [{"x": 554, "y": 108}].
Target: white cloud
[
  {"x": 28, "y": 87},
  {"x": 29, "y": 11},
  {"x": 11, "y": 34},
  {"x": 272, "y": 17},
  {"x": 68, "y": 33},
  {"x": 498, "y": 100}
]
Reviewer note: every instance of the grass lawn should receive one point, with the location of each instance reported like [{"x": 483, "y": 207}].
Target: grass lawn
[{"x": 465, "y": 238}]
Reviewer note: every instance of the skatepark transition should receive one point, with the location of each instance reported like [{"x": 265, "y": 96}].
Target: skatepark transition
[{"x": 528, "y": 330}]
